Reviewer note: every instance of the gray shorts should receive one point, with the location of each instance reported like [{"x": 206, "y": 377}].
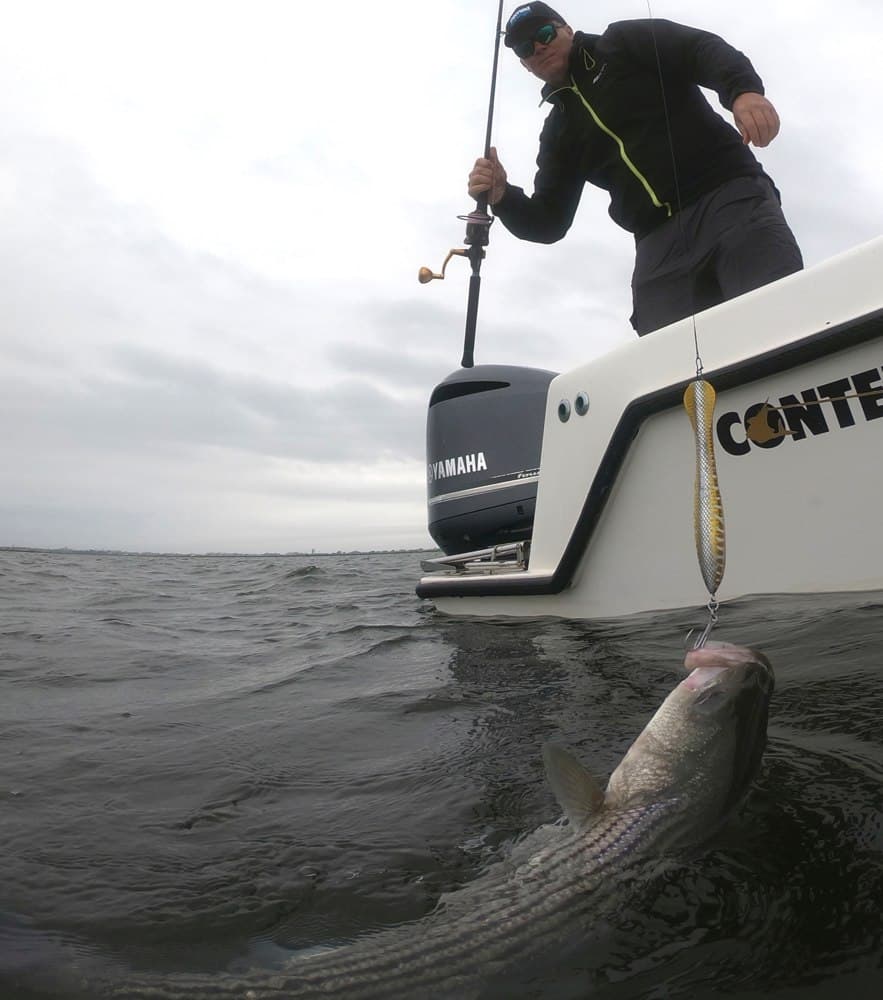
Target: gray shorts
[{"x": 726, "y": 243}]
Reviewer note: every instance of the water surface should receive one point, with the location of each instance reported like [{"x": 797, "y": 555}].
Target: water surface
[{"x": 209, "y": 762}]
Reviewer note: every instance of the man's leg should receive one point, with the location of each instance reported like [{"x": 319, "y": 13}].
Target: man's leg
[
  {"x": 662, "y": 280},
  {"x": 723, "y": 245},
  {"x": 758, "y": 249}
]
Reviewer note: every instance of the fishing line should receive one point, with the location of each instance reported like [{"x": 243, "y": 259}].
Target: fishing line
[
  {"x": 682, "y": 233},
  {"x": 699, "y": 400}
]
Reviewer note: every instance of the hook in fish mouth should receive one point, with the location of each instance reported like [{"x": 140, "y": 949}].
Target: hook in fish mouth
[{"x": 707, "y": 663}]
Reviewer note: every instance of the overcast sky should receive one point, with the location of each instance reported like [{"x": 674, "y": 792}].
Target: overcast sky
[{"x": 213, "y": 213}]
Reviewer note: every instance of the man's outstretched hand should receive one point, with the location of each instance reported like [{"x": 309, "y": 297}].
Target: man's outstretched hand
[{"x": 756, "y": 119}]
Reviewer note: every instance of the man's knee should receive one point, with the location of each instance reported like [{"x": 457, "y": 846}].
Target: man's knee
[{"x": 754, "y": 255}]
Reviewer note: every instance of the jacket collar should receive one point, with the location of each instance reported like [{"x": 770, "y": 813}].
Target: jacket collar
[{"x": 581, "y": 59}]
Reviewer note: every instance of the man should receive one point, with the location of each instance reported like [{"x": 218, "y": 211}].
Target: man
[{"x": 628, "y": 116}]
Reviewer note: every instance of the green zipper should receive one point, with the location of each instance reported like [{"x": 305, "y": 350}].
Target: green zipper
[{"x": 625, "y": 157}]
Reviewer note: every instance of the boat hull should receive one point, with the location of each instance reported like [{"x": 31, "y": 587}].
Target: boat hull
[{"x": 613, "y": 531}]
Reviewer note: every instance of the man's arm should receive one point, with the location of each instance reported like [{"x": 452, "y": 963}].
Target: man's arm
[
  {"x": 703, "y": 58},
  {"x": 546, "y": 215}
]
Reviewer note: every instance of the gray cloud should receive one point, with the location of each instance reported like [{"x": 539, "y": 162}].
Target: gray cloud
[{"x": 147, "y": 401}]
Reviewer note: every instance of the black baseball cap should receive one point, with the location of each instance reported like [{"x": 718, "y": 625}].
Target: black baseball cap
[{"x": 525, "y": 20}]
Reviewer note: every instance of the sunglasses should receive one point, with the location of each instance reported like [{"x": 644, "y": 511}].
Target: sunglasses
[{"x": 544, "y": 35}]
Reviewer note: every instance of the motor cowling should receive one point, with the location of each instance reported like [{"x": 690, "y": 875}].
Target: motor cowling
[{"x": 484, "y": 433}]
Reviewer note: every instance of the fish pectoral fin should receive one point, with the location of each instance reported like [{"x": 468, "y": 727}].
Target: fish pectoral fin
[{"x": 577, "y": 791}]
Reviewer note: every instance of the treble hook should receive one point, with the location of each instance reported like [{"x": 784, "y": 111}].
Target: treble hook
[{"x": 706, "y": 632}]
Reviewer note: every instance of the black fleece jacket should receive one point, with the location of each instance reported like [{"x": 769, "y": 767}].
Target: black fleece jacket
[{"x": 609, "y": 127}]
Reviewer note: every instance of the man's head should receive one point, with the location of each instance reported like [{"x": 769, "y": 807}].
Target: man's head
[{"x": 541, "y": 39}]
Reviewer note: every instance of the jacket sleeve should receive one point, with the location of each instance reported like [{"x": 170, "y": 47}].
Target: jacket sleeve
[
  {"x": 546, "y": 215},
  {"x": 689, "y": 54}
]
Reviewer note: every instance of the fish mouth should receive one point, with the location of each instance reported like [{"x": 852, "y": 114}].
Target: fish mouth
[
  {"x": 702, "y": 677},
  {"x": 714, "y": 659}
]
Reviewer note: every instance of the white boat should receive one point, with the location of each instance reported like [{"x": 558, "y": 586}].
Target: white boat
[{"x": 604, "y": 526}]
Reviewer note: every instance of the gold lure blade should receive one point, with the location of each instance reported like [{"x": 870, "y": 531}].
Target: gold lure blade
[{"x": 708, "y": 509}]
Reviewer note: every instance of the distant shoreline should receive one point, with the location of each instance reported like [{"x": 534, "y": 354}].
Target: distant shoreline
[{"x": 213, "y": 555}]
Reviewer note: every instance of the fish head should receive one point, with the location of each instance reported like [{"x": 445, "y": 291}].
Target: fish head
[{"x": 706, "y": 740}]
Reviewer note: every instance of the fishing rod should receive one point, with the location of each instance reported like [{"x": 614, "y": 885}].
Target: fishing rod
[{"x": 478, "y": 224}]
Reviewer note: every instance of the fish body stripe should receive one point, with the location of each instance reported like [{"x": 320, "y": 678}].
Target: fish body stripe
[{"x": 451, "y": 950}]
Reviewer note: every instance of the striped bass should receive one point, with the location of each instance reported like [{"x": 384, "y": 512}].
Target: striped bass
[{"x": 683, "y": 775}]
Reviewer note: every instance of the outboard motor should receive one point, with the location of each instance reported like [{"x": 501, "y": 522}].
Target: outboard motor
[{"x": 484, "y": 432}]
